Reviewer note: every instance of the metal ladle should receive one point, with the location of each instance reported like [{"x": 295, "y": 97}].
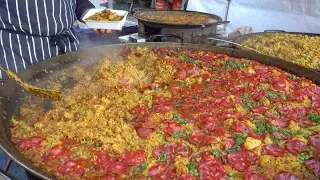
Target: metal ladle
[
  {"x": 222, "y": 40},
  {"x": 43, "y": 93}
]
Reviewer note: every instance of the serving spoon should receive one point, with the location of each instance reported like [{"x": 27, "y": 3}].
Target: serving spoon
[{"x": 43, "y": 93}]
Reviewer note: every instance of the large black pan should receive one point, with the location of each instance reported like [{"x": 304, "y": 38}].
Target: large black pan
[
  {"x": 244, "y": 37},
  {"x": 213, "y": 21},
  {"x": 11, "y": 95}
]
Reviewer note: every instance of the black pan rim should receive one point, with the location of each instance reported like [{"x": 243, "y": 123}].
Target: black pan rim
[{"x": 177, "y": 26}]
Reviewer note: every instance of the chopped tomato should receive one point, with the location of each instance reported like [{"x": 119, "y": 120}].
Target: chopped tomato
[
  {"x": 315, "y": 140},
  {"x": 280, "y": 136},
  {"x": 187, "y": 177},
  {"x": 200, "y": 139},
  {"x": 72, "y": 167},
  {"x": 31, "y": 142},
  {"x": 211, "y": 170},
  {"x": 314, "y": 166},
  {"x": 161, "y": 171},
  {"x": 240, "y": 127},
  {"x": 285, "y": 176},
  {"x": 260, "y": 109},
  {"x": 139, "y": 108},
  {"x": 251, "y": 175},
  {"x": 181, "y": 149},
  {"x": 279, "y": 84},
  {"x": 172, "y": 128},
  {"x": 144, "y": 132},
  {"x": 228, "y": 142},
  {"x": 259, "y": 94},
  {"x": 296, "y": 146},
  {"x": 57, "y": 151},
  {"x": 250, "y": 156},
  {"x": 161, "y": 109},
  {"x": 273, "y": 149},
  {"x": 132, "y": 158},
  {"x": 238, "y": 161},
  {"x": 105, "y": 161},
  {"x": 277, "y": 122},
  {"x": 181, "y": 74},
  {"x": 160, "y": 99},
  {"x": 120, "y": 168},
  {"x": 203, "y": 156}
]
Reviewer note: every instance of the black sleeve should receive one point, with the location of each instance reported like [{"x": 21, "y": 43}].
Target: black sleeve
[{"x": 81, "y": 7}]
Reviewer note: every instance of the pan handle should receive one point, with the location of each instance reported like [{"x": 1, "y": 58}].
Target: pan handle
[
  {"x": 5, "y": 175},
  {"x": 275, "y": 30},
  {"x": 222, "y": 22},
  {"x": 155, "y": 36}
]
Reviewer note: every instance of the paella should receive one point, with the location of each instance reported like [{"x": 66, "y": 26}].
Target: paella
[
  {"x": 296, "y": 48},
  {"x": 176, "y": 114}
]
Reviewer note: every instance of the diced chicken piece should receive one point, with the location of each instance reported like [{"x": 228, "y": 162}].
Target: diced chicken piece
[{"x": 252, "y": 143}]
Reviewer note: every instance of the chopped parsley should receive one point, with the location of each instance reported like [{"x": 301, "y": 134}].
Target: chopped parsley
[
  {"x": 301, "y": 132},
  {"x": 271, "y": 95},
  {"x": 238, "y": 140},
  {"x": 262, "y": 126},
  {"x": 236, "y": 64},
  {"x": 215, "y": 69},
  {"x": 187, "y": 59},
  {"x": 284, "y": 131},
  {"x": 314, "y": 118},
  {"x": 196, "y": 96},
  {"x": 282, "y": 96},
  {"x": 198, "y": 159},
  {"x": 142, "y": 167},
  {"x": 304, "y": 156},
  {"x": 177, "y": 135},
  {"x": 178, "y": 118},
  {"x": 163, "y": 156},
  {"x": 192, "y": 168},
  {"x": 217, "y": 153}
]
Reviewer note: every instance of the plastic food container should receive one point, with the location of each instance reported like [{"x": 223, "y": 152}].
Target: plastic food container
[{"x": 113, "y": 25}]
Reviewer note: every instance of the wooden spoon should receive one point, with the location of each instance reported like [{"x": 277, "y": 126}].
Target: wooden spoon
[{"x": 44, "y": 93}]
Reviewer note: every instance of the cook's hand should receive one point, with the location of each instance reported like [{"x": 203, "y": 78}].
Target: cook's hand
[{"x": 102, "y": 31}]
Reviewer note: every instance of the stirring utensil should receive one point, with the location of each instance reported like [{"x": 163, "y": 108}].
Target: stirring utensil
[
  {"x": 222, "y": 40},
  {"x": 44, "y": 93}
]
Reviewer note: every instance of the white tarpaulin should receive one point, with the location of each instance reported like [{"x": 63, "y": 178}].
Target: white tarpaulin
[{"x": 288, "y": 15}]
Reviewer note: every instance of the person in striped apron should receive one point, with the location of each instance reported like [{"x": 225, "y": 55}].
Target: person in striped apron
[{"x": 35, "y": 30}]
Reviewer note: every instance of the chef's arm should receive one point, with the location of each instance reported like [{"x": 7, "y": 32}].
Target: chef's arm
[{"x": 82, "y": 6}]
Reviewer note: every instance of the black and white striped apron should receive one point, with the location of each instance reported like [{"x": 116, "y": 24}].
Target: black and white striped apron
[{"x": 34, "y": 30}]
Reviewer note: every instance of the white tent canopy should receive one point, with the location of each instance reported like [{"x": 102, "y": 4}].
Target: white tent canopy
[{"x": 287, "y": 15}]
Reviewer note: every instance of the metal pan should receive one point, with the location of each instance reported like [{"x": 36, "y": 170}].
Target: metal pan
[
  {"x": 11, "y": 94},
  {"x": 214, "y": 20},
  {"x": 242, "y": 38}
]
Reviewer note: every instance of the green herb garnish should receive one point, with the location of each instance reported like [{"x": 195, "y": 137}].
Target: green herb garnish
[
  {"x": 282, "y": 96},
  {"x": 239, "y": 140},
  {"x": 142, "y": 167},
  {"x": 192, "y": 168},
  {"x": 304, "y": 156},
  {"x": 177, "y": 135},
  {"x": 187, "y": 59},
  {"x": 262, "y": 126},
  {"x": 178, "y": 118},
  {"x": 217, "y": 153},
  {"x": 271, "y": 95},
  {"x": 163, "y": 156},
  {"x": 314, "y": 118},
  {"x": 236, "y": 64}
]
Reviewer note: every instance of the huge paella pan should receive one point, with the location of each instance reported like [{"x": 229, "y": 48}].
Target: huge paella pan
[{"x": 158, "y": 112}]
